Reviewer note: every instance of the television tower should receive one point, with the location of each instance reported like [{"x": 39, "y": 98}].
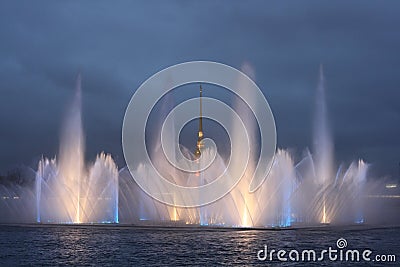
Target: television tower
[{"x": 199, "y": 145}]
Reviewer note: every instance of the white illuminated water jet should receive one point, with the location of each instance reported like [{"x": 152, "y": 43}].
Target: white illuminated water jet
[
  {"x": 67, "y": 192},
  {"x": 323, "y": 146}
]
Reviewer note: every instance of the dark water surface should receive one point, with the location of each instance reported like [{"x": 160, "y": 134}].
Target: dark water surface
[{"x": 140, "y": 246}]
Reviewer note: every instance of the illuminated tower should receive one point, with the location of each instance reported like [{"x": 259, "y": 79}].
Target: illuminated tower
[
  {"x": 199, "y": 145},
  {"x": 203, "y": 217}
]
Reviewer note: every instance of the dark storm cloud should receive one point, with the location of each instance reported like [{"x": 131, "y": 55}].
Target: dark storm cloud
[{"x": 117, "y": 46}]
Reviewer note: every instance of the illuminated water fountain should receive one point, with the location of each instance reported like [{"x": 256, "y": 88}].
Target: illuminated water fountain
[
  {"x": 67, "y": 191},
  {"x": 305, "y": 193}
]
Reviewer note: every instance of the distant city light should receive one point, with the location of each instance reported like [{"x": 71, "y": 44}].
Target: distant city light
[{"x": 384, "y": 196}]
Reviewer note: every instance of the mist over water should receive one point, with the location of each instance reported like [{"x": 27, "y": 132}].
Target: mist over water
[{"x": 309, "y": 191}]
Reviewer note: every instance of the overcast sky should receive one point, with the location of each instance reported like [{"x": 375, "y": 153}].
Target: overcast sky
[{"x": 116, "y": 46}]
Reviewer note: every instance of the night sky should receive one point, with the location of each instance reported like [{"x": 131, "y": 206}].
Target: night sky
[{"x": 117, "y": 46}]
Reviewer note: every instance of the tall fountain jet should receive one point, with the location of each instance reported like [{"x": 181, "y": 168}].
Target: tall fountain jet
[
  {"x": 71, "y": 154},
  {"x": 323, "y": 145},
  {"x": 67, "y": 191}
]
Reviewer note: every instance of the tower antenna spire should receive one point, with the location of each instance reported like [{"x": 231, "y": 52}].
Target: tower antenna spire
[{"x": 199, "y": 145}]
